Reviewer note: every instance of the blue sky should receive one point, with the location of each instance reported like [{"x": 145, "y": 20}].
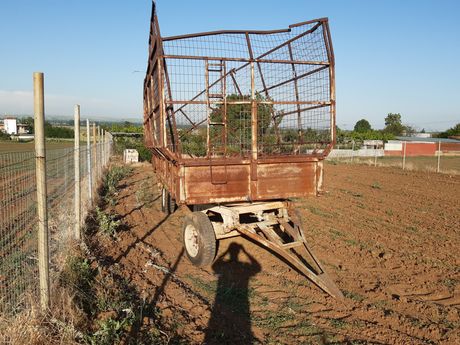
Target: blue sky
[{"x": 391, "y": 56}]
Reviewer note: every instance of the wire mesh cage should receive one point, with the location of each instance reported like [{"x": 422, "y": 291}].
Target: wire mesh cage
[{"x": 240, "y": 94}]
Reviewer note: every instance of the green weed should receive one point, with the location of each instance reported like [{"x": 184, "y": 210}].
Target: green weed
[
  {"x": 111, "y": 181},
  {"x": 144, "y": 195},
  {"x": 376, "y": 185},
  {"x": 338, "y": 323},
  {"x": 319, "y": 212},
  {"x": 412, "y": 228},
  {"x": 107, "y": 223},
  {"x": 110, "y": 331},
  {"x": 353, "y": 295},
  {"x": 336, "y": 234}
]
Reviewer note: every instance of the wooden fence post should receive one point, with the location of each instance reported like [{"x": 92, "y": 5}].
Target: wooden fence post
[
  {"x": 76, "y": 155},
  {"x": 95, "y": 157},
  {"x": 88, "y": 157},
  {"x": 99, "y": 152},
  {"x": 40, "y": 167}
]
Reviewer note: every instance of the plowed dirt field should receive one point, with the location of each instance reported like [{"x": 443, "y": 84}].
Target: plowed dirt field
[{"x": 389, "y": 238}]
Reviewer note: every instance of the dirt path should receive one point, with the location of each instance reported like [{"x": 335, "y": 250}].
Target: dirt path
[{"x": 389, "y": 238}]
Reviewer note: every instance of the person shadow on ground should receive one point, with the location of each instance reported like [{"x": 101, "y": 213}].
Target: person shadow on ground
[{"x": 230, "y": 321}]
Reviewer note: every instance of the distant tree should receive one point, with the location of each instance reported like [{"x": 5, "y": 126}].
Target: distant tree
[
  {"x": 409, "y": 130},
  {"x": 29, "y": 121},
  {"x": 362, "y": 126},
  {"x": 4, "y": 136},
  {"x": 451, "y": 132},
  {"x": 423, "y": 130},
  {"x": 393, "y": 124},
  {"x": 340, "y": 135}
]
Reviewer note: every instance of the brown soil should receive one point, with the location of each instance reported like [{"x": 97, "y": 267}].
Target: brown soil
[{"x": 389, "y": 238}]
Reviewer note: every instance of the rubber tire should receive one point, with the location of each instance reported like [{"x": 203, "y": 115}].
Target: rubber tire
[
  {"x": 168, "y": 204},
  {"x": 171, "y": 204},
  {"x": 207, "y": 243}
]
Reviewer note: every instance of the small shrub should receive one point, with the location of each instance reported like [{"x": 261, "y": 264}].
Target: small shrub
[
  {"x": 79, "y": 276},
  {"x": 376, "y": 185},
  {"x": 144, "y": 195},
  {"x": 110, "y": 331},
  {"x": 107, "y": 223},
  {"x": 111, "y": 181}
]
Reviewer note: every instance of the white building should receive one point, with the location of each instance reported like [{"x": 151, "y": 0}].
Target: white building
[{"x": 11, "y": 125}]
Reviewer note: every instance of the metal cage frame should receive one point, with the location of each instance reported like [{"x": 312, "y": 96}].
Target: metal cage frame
[{"x": 195, "y": 84}]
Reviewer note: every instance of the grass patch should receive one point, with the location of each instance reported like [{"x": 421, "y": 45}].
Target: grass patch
[
  {"x": 338, "y": 323},
  {"x": 352, "y": 242},
  {"x": 273, "y": 319},
  {"x": 336, "y": 234},
  {"x": 114, "y": 310},
  {"x": 319, "y": 212},
  {"x": 450, "y": 283},
  {"x": 412, "y": 229},
  {"x": 209, "y": 288},
  {"x": 353, "y": 295},
  {"x": 234, "y": 297}
]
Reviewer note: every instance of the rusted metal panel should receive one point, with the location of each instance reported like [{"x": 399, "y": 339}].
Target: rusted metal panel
[
  {"x": 199, "y": 188},
  {"x": 286, "y": 180},
  {"x": 274, "y": 181}
]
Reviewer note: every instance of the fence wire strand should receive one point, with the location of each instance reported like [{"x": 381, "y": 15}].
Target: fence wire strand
[{"x": 19, "y": 219}]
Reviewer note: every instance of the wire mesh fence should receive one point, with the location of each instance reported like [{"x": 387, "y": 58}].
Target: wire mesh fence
[
  {"x": 210, "y": 87},
  {"x": 19, "y": 219},
  {"x": 447, "y": 163}
]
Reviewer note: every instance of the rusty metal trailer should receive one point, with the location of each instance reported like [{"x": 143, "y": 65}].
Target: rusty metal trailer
[{"x": 239, "y": 122}]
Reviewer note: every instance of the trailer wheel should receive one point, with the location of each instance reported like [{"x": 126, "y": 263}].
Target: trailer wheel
[
  {"x": 168, "y": 204},
  {"x": 199, "y": 239}
]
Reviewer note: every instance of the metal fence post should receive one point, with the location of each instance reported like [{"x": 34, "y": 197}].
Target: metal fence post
[
  {"x": 90, "y": 177},
  {"x": 76, "y": 156},
  {"x": 404, "y": 156},
  {"x": 439, "y": 156},
  {"x": 40, "y": 166}
]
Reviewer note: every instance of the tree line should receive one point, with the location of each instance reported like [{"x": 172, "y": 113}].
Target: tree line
[{"x": 393, "y": 128}]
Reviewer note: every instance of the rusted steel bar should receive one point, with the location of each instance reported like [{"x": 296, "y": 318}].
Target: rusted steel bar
[
  {"x": 252, "y": 32},
  {"x": 320, "y": 279},
  {"x": 254, "y": 148},
  {"x": 303, "y": 75},
  {"x": 296, "y": 89},
  {"x": 305, "y": 109},
  {"x": 232, "y": 75},
  {"x": 247, "y": 102},
  {"x": 224, "y": 32},
  {"x": 272, "y": 112},
  {"x": 198, "y": 57},
  {"x": 308, "y": 22},
  {"x": 330, "y": 54}
]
